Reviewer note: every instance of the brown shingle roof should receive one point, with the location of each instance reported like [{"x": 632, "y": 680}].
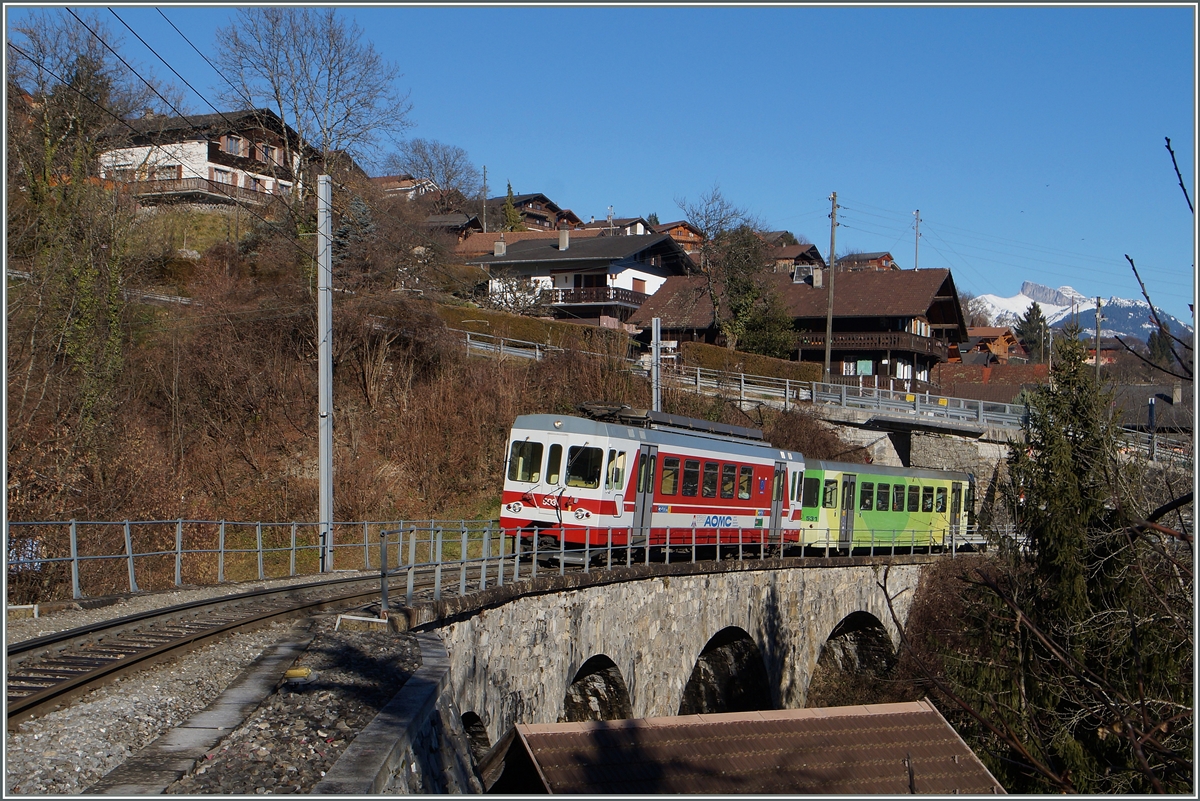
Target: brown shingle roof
[
  {"x": 479, "y": 244},
  {"x": 683, "y": 302},
  {"x": 881, "y": 749}
]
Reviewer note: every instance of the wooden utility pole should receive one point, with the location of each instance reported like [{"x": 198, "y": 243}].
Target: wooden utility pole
[
  {"x": 485, "y": 198},
  {"x": 917, "y": 241},
  {"x": 1097, "y": 341},
  {"x": 832, "y": 271}
]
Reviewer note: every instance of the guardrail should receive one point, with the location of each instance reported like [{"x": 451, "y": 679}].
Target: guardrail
[{"x": 93, "y": 558}]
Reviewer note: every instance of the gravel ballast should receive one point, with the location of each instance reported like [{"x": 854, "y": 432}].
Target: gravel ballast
[
  {"x": 66, "y": 751},
  {"x": 300, "y": 730}
]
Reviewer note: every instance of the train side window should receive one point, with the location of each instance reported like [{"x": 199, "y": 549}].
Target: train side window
[
  {"x": 779, "y": 486},
  {"x": 866, "y": 496},
  {"x": 939, "y": 505},
  {"x": 745, "y": 482},
  {"x": 812, "y": 488},
  {"x": 645, "y": 482},
  {"x": 882, "y": 494},
  {"x": 829, "y": 501},
  {"x": 914, "y": 498},
  {"x": 927, "y": 499},
  {"x": 709, "y": 488},
  {"x": 795, "y": 486},
  {"x": 584, "y": 466},
  {"x": 898, "y": 498},
  {"x": 524, "y": 461},
  {"x": 670, "y": 476},
  {"x": 554, "y": 465},
  {"x": 728, "y": 480},
  {"x": 616, "y": 470},
  {"x": 691, "y": 477}
]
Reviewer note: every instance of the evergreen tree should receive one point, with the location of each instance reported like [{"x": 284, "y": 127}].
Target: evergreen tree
[
  {"x": 356, "y": 231},
  {"x": 1031, "y": 329},
  {"x": 1159, "y": 343},
  {"x": 510, "y": 219},
  {"x": 1080, "y": 633},
  {"x": 653, "y": 219}
]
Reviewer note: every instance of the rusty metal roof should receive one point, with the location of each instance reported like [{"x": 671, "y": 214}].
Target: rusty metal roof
[{"x": 880, "y": 749}]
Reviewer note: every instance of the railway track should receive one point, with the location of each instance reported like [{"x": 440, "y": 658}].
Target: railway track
[{"x": 46, "y": 672}]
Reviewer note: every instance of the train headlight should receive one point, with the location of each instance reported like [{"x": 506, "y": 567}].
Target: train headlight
[{"x": 558, "y": 423}]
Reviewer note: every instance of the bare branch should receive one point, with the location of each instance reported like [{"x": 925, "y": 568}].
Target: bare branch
[{"x": 1175, "y": 164}]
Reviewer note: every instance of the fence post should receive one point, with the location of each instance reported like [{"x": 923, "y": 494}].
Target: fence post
[
  {"x": 787, "y": 390},
  {"x": 258, "y": 539},
  {"x": 221, "y": 555},
  {"x": 842, "y": 389},
  {"x": 500, "y": 562},
  {"x": 609, "y": 550},
  {"x": 562, "y": 545},
  {"x": 383, "y": 576},
  {"x": 292, "y": 562},
  {"x": 366, "y": 546},
  {"x": 75, "y": 592},
  {"x": 133, "y": 587},
  {"x": 462, "y": 557},
  {"x": 697, "y": 379},
  {"x": 487, "y": 552},
  {"x": 587, "y": 548},
  {"x": 533, "y": 564},
  {"x": 437, "y": 570},
  {"x": 179, "y": 552},
  {"x": 412, "y": 560},
  {"x": 742, "y": 383}
]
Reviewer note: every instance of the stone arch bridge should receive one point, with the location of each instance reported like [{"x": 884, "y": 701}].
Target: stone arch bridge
[{"x": 659, "y": 640}]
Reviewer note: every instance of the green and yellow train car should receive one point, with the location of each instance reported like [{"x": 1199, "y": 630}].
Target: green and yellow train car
[{"x": 852, "y": 506}]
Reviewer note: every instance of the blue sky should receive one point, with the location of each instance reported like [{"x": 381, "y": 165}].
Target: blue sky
[{"x": 1030, "y": 138}]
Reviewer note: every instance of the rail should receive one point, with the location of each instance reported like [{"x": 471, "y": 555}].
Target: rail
[{"x": 464, "y": 554}]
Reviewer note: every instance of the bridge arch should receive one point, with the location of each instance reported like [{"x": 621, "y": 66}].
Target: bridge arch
[
  {"x": 598, "y": 692},
  {"x": 730, "y": 676},
  {"x": 857, "y": 653}
]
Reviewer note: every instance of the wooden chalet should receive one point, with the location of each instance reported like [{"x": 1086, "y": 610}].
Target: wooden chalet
[
  {"x": 887, "y": 326},
  {"x": 538, "y": 212},
  {"x": 688, "y": 236},
  {"x": 620, "y": 226},
  {"x": 990, "y": 345},
  {"x": 599, "y": 280},
  {"x": 856, "y": 262}
]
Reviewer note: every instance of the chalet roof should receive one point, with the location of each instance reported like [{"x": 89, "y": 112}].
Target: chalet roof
[
  {"x": 593, "y": 248},
  {"x": 526, "y": 198},
  {"x": 1133, "y": 402},
  {"x": 200, "y": 125},
  {"x": 865, "y": 256},
  {"x": 664, "y": 227},
  {"x": 682, "y": 301},
  {"x": 889, "y": 749},
  {"x": 617, "y": 222},
  {"x": 481, "y": 243},
  {"x": 805, "y": 252},
  {"x": 386, "y": 182},
  {"x": 454, "y": 220},
  {"x": 985, "y": 331}
]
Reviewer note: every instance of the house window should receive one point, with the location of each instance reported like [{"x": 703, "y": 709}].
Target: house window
[
  {"x": 254, "y": 183},
  {"x": 233, "y": 145},
  {"x": 283, "y": 188},
  {"x": 223, "y": 176},
  {"x": 167, "y": 173},
  {"x": 123, "y": 172}
]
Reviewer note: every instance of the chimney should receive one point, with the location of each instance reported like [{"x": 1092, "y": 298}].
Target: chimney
[
  {"x": 564, "y": 238},
  {"x": 1177, "y": 393},
  {"x": 818, "y": 277},
  {"x": 500, "y": 248}
]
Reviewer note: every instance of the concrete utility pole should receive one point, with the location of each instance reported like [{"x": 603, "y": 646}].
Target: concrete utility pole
[
  {"x": 917, "y": 241},
  {"x": 832, "y": 271},
  {"x": 1097, "y": 341},
  {"x": 656, "y": 364},
  {"x": 325, "y": 361}
]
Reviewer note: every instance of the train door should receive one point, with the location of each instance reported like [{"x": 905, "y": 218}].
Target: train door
[
  {"x": 955, "y": 512},
  {"x": 639, "y": 530},
  {"x": 779, "y": 488},
  {"x": 846, "y": 525}
]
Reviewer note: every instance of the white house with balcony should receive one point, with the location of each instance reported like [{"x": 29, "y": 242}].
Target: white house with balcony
[{"x": 231, "y": 157}]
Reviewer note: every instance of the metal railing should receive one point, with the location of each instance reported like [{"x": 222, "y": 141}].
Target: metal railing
[{"x": 93, "y": 558}]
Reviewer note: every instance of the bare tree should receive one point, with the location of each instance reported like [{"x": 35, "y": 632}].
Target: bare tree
[
  {"x": 447, "y": 166},
  {"x": 315, "y": 70},
  {"x": 974, "y": 310}
]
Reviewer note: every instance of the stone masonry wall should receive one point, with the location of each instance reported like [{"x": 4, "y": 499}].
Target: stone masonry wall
[{"x": 512, "y": 663}]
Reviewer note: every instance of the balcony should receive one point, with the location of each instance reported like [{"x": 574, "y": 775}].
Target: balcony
[
  {"x": 600, "y": 295},
  {"x": 197, "y": 189},
  {"x": 895, "y": 341}
]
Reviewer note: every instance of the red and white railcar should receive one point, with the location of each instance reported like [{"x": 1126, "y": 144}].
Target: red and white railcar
[{"x": 645, "y": 478}]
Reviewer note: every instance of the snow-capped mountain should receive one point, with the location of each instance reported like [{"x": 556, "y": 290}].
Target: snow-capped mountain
[{"x": 1119, "y": 317}]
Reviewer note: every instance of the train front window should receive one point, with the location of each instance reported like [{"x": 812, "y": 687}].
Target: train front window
[
  {"x": 939, "y": 504},
  {"x": 882, "y": 496},
  {"x": 898, "y": 498},
  {"x": 745, "y": 482},
  {"x": 914, "y": 498},
  {"x": 829, "y": 501},
  {"x": 866, "y": 496},
  {"x": 670, "y": 476},
  {"x": 525, "y": 462},
  {"x": 927, "y": 499},
  {"x": 728, "y": 480},
  {"x": 811, "y": 491},
  {"x": 691, "y": 477},
  {"x": 554, "y": 465},
  {"x": 584, "y": 466},
  {"x": 709, "y": 489}
]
